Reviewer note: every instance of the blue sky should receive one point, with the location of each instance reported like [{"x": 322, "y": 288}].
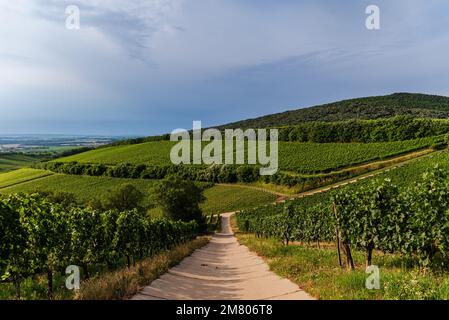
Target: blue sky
[{"x": 147, "y": 67}]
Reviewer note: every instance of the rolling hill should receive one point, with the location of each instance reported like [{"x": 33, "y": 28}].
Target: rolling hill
[
  {"x": 303, "y": 165},
  {"x": 307, "y": 158},
  {"x": 413, "y": 104}
]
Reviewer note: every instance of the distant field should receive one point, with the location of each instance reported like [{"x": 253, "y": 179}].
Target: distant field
[
  {"x": 218, "y": 198},
  {"x": 293, "y": 156},
  {"x": 25, "y": 157}
]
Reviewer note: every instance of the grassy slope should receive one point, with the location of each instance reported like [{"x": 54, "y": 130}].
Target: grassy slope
[
  {"x": 14, "y": 161},
  {"x": 85, "y": 188},
  {"x": 293, "y": 156},
  {"x": 218, "y": 198},
  {"x": 19, "y": 176},
  {"x": 317, "y": 272}
]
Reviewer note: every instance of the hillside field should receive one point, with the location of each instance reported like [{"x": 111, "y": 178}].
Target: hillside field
[
  {"x": 293, "y": 156},
  {"x": 10, "y": 162},
  {"x": 218, "y": 198},
  {"x": 402, "y": 176}
]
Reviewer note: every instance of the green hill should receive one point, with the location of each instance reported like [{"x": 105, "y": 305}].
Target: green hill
[
  {"x": 298, "y": 157},
  {"x": 413, "y": 104}
]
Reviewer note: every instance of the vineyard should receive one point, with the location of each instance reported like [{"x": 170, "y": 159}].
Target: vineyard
[
  {"x": 14, "y": 161},
  {"x": 38, "y": 237},
  {"x": 374, "y": 216},
  {"x": 228, "y": 199},
  {"x": 293, "y": 156},
  {"x": 85, "y": 188},
  {"x": 400, "y": 176},
  {"x": 310, "y": 158},
  {"x": 20, "y": 176}
]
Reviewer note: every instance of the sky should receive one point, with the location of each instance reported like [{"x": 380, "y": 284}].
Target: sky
[{"x": 145, "y": 67}]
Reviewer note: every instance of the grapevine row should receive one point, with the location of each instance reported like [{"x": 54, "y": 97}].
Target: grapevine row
[
  {"x": 38, "y": 237},
  {"x": 380, "y": 216}
]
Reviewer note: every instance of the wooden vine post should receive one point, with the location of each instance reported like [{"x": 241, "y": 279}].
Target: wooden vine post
[{"x": 337, "y": 232}]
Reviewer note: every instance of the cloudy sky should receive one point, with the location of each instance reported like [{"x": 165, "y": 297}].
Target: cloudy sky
[{"x": 149, "y": 66}]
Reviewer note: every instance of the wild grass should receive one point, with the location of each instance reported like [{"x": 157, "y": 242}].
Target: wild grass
[{"x": 316, "y": 270}]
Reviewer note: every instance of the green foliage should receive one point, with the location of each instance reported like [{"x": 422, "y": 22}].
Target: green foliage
[
  {"x": 92, "y": 190},
  {"x": 66, "y": 199},
  {"x": 289, "y": 222},
  {"x": 124, "y": 197},
  {"x": 180, "y": 199},
  {"x": 414, "y": 221},
  {"x": 85, "y": 188},
  {"x": 221, "y": 199},
  {"x": 298, "y": 164},
  {"x": 415, "y": 105},
  {"x": 152, "y": 160},
  {"x": 12, "y": 161},
  {"x": 309, "y": 158},
  {"x": 398, "y": 128},
  {"x": 378, "y": 215},
  {"x": 41, "y": 237}
]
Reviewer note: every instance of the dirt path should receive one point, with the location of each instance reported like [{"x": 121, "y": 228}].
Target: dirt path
[{"x": 222, "y": 270}]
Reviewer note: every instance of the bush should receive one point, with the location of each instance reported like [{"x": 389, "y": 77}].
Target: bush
[
  {"x": 180, "y": 200},
  {"x": 124, "y": 197}
]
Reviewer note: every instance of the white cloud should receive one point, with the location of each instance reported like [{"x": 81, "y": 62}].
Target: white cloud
[{"x": 156, "y": 54}]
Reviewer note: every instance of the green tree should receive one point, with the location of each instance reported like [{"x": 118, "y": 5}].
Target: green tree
[
  {"x": 180, "y": 200},
  {"x": 124, "y": 197}
]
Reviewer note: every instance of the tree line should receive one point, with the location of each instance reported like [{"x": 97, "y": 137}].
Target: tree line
[
  {"x": 398, "y": 128},
  {"x": 200, "y": 173},
  {"x": 395, "y": 128}
]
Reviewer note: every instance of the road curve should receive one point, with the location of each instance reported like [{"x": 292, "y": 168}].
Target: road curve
[{"x": 222, "y": 270}]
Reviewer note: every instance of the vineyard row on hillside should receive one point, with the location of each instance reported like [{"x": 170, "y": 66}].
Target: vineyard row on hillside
[
  {"x": 377, "y": 216},
  {"x": 214, "y": 173}
]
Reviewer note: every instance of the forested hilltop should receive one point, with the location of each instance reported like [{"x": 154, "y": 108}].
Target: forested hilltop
[
  {"x": 413, "y": 104},
  {"x": 401, "y": 106}
]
